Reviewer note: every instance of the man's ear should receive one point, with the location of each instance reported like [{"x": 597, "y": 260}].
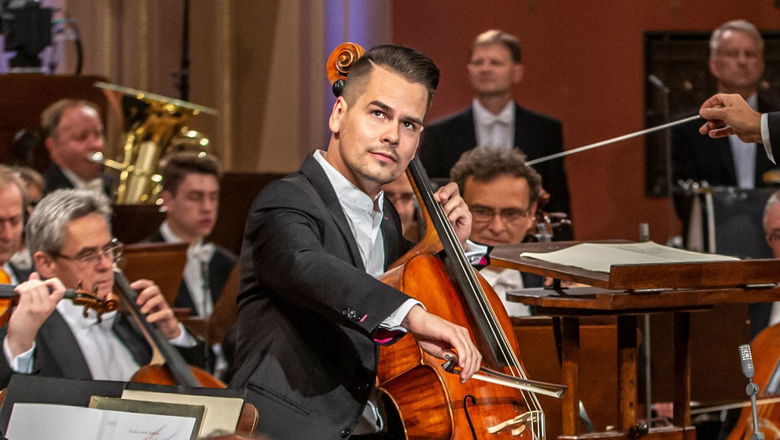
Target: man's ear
[
  {"x": 44, "y": 265},
  {"x": 517, "y": 73},
  {"x": 166, "y": 197},
  {"x": 49, "y": 143},
  {"x": 337, "y": 114}
]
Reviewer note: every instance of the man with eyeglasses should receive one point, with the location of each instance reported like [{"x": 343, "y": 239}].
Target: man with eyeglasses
[
  {"x": 501, "y": 191},
  {"x": 70, "y": 240}
]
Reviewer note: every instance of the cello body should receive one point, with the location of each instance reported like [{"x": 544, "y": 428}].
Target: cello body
[{"x": 767, "y": 373}]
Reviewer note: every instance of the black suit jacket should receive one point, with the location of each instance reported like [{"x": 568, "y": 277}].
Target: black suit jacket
[
  {"x": 220, "y": 266},
  {"x": 774, "y": 133},
  {"x": 536, "y": 135},
  {"x": 308, "y": 310},
  {"x": 55, "y": 179},
  {"x": 57, "y": 354}
]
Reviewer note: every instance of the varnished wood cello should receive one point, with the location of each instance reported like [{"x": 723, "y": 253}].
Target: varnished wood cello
[{"x": 429, "y": 400}]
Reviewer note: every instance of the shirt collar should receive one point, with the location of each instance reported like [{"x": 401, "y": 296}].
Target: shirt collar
[
  {"x": 347, "y": 193},
  {"x": 199, "y": 249},
  {"x": 484, "y": 116},
  {"x": 752, "y": 101}
]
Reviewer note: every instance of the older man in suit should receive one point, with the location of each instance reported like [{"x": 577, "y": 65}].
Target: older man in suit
[{"x": 495, "y": 120}]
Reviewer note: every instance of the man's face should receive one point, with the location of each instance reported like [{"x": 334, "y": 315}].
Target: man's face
[
  {"x": 192, "y": 210},
  {"x": 89, "y": 235},
  {"x": 11, "y": 221},
  {"x": 500, "y": 209},
  {"x": 79, "y": 134},
  {"x": 492, "y": 70},
  {"x": 772, "y": 229},
  {"x": 375, "y": 137},
  {"x": 401, "y": 195},
  {"x": 738, "y": 63}
]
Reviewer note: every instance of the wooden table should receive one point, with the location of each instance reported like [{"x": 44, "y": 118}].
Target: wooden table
[{"x": 628, "y": 291}]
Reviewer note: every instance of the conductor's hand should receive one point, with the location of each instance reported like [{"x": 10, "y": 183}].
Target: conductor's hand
[
  {"x": 456, "y": 209},
  {"x": 36, "y": 303},
  {"x": 439, "y": 337},
  {"x": 727, "y": 115},
  {"x": 152, "y": 304}
]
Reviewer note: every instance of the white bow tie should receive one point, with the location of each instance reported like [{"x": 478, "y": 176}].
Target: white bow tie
[
  {"x": 201, "y": 252},
  {"x": 95, "y": 185},
  {"x": 503, "y": 118}
]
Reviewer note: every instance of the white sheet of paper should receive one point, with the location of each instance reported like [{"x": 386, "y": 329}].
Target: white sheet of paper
[
  {"x": 35, "y": 421},
  {"x": 599, "y": 257}
]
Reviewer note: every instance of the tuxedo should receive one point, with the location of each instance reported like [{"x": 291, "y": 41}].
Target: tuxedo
[
  {"x": 536, "y": 135},
  {"x": 55, "y": 179},
  {"x": 57, "y": 353},
  {"x": 773, "y": 122},
  {"x": 308, "y": 311},
  {"x": 220, "y": 266}
]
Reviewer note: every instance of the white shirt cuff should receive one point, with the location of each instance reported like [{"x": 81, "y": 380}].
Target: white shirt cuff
[
  {"x": 185, "y": 339},
  {"x": 22, "y": 363},
  {"x": 393, "y": 322},
  {"x": 475, "y": 252},
  {"x": 765, "y": 137}
]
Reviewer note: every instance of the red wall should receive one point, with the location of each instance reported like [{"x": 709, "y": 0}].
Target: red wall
[{"x": 584, "y": 66}]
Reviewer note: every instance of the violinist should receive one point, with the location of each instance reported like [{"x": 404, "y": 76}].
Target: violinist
[
  {"x": 311, "y": 313},
  {"x": 12, "y": 209},
  {"x": 70, "y": 240},
  {"x": 502, "y": 193}
]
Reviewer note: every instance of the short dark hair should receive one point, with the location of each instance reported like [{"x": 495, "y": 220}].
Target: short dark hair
[
  {"x": 51, "y": 115},
  {"x": 495, "y": 36},
  {"x": 485, "y": 164},
  {"x": 414, "y": 66},
  {"x": 176, "y": 166}
]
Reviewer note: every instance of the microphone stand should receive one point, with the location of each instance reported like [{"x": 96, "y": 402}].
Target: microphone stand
[{"x": 752, "y": 390}]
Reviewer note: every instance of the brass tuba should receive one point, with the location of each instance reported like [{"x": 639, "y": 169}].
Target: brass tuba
[{"x": 155, "y": 125}]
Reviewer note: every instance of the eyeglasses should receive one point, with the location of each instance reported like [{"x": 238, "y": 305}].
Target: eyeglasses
[
  {"x": 112, "y": 250},
  {"x": 483, "y": 214}
]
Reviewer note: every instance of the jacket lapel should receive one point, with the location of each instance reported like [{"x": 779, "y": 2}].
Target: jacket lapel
[
  {"x": 63, "y": 347},
  {"x": 314, "y": 172}
]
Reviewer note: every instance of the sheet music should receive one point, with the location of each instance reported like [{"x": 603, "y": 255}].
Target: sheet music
[
  {"x": 36, "y": 421},
  {"x": 599, "y": 257}
]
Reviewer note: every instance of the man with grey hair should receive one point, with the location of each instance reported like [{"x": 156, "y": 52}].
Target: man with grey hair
[
  {"x": 737, "y": 63},
  {"x": 763, "y": 315},
  {"x": 70, "y": 239},
  {"x": 73, "y": 131},
  {"x": 494, "y": 119},
  {"x": 13, "y": 204}
]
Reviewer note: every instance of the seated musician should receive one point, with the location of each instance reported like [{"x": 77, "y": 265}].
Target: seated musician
[
  {"x": 33, "y": 189},
  {"x": 401, "y": 195},
  {"x": 502, "y": 193},
  {"x": 73, "y": 131},
  {"x": 70, "y": 239},
  {"x": 191, "y": 198},
  {"x": 13, "y": 203}
]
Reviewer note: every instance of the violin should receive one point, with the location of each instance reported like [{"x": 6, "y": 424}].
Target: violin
[
  {"x": 10, "y": 299},
  {"x": 425, "y": 398},
  {"x": 167, "y": 366}
]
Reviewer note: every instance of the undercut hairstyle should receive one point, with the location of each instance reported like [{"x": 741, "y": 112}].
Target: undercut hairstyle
[
  {"x": 8, "y": 176},
  {"x": 175, "y": 167},
  {"x": 495, "y": 36},
  {"x": 735, "y": 25},
  {"x": 46, "y": 228},
  {"x": 51, "y": 115},
  {"x": 485, "y": 164},
  {"x": 774, "y": 199},
  {"x": 414, "y": 66}
]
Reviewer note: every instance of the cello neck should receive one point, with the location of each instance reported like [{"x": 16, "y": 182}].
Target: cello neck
[{"x": 173, "y": 359}]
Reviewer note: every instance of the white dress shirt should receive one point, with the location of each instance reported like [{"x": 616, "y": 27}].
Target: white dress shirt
[
  {"x": 95, "y": 184},
  {"x": 495, "y": 131},
  {"x": 506, "y": 280},
  {"x": 765, "y": 137},
  {"x": 196, "y": 270},
  {"x": 744, "y": 155}
]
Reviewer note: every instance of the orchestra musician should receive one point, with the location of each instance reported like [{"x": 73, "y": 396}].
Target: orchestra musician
[
  {"x": 495, "y": 120},
  {"x": 401, "y": 195},
  {"x": 73, "y": 131},
  {"x": 70, "y": 239},
  {"x": 311, "y": 313},
  {"x": 13, "y": 203},
  {"x": 502, "y": 193}
]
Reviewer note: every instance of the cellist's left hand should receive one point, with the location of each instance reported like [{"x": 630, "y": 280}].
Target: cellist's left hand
[
  {"x": 456, "y": 209},
  {"x": 152, "y": 304}
]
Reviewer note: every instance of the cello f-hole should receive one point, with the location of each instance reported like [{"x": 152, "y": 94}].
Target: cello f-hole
[{"x": 473, "y": 400}]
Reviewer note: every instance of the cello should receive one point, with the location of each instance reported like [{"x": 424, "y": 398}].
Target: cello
[{"x": 425, "y": 398}]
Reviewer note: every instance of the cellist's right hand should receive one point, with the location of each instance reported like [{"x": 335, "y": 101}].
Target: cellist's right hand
[
  {"x": 36, "y": 304},
  {"x": 439, "y": 337}
]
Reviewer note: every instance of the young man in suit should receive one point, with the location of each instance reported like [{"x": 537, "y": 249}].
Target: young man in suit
[
  {"x": 311, "y": 312},
  {"x": 191, "y": 200},
  {"x": 495, "y": 120},
  {"x": 502, "y": 193},
  {"x": 73, "y": 131},
  {"x": 13, "y": 204},
  {"x": 70, "y": 239}
]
